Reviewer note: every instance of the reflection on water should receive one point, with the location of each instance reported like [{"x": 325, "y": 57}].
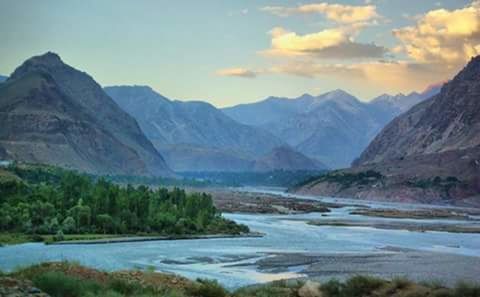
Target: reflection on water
[{"x": 232, "y": 261}]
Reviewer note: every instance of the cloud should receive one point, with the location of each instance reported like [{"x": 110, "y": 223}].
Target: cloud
[
  {"x": 390, "y": 76},
  {"x": 335, "y": 43},
  {"x": 339, "y": 13},
  {"x": 237, "y": 72},
  {"x": 448, "y": 37},
  {"x": 434, "y": 48}
]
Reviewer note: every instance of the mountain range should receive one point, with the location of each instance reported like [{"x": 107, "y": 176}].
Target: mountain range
[
  {"x": 333, "y": 128},
  {"x": 3, "y": 78},
  {"x": 52, "y": 113},
  {"x": 196, "y": 136},
  {"x": 430, "y": 153}
]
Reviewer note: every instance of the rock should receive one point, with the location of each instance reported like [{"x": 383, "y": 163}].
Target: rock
[
  {"x": 11, "y": 287},
  {"x": 310, "y": 289}
]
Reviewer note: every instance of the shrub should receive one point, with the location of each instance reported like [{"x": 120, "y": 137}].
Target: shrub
[
  {"x": 37, "y": 238},
  {"x": 209, "y": 288},
  {"x": 59, "y": 236},
  {"x": 332, "y": 288},
  {"x": 467, "y": 290},
  {"x": 124, "y": 287},
  {"x": 361, "y": 286},
  {"x": 58, "y": 284}
]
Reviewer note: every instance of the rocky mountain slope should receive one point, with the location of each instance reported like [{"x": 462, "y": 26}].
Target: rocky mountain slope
[
  {"x": 333, "y": 128},
  {"x": 285, "y": 158},
  {"x": 52, "y": 113},
  {"x": 194, "y": 135},
  {"x": 430, "y": 153}
]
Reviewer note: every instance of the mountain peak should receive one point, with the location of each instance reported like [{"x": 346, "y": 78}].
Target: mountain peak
[
  {"x": 49, "y": 58},
  {"x": 43, "y": 62},
  {"x": 471, "y": 71}
]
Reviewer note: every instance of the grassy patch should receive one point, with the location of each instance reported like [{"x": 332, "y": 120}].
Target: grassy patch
[
  {"x": 345, "y": 179},
  {"x": 72, "y": 280},
  {"x": 14, "y": 238},
  {"x": 443, "y": 184}
]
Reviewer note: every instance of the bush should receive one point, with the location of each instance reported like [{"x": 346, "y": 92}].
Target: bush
[
  {"x": 361, "y": 286},
  {"x": 332, "y": 288},
  {"x": 124, "y": 287},
  {"x": 37, "y": 238},
  {"x": 59, "y": 236},
  {"x": 209, "y": 288},
  {"x": 467, "y": 290},
  {"x": 58, "y": 284}
]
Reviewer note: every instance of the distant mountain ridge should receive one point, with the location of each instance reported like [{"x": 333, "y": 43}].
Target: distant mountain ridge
[
  {"x": 52, "y": 113},
  {"x": 3, "y": 78},
  {"x": 194, "y": 135},
  {"x": 333, "y": 128},
  {"x": 430, "y": 154}
]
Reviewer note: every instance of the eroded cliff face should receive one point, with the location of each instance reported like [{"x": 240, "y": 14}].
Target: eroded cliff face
[
  {"x": 430, "y": 154},
  {"x": 52, "y": 113}
]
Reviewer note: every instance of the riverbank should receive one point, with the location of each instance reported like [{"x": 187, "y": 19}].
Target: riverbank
[
  {"x": 387, "y": 262},
  {"x": 238, "y": 201},
  {"x": 424, "y": 214},
  {"x": 399, "y": 225},
  {"x": 157, "y": 238},
  {"x": 19, "y": 238},
  {"x": 70, "y": 279}
]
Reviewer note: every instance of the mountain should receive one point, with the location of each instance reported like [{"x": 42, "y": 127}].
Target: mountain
[
  {"x": 333, "y": 128},
  {"x": 401, "y": 103},
  {"x": 52, "y": 113},
  {"x": 287, "y": 159},
  {"x": 193, "y": 136},
  {"x": 431, "y": 153},
  {"x": 3, "y": 78}
]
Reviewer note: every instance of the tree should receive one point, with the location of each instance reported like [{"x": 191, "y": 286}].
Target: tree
[
  {"x": 106, "y": 222},
  {"x": 68, "y": 225}
]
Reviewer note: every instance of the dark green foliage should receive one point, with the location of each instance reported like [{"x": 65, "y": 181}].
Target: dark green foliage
[
  {"x": 208, "y": 288},
  {"x": 279, "y": 178},
  {"x": 332, "y": 288},
  {"x": 58, "y": 284},
  {"x": 345, "y": 179},
  {"x": 359, "y": 286},
  {"x": 73, "y": 203},
  {"x": 445, "y": 184},
  {"x": 467, "y": 290},
  {"x": 124, "y": 287}
]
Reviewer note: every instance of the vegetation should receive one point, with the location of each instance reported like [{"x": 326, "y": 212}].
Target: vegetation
[
  {"x": 278, "y": 178},
  {"x": 345, "y": 179},
  {"x": 73, "y": 280},
  {"x": 58, "y": 202},
  {"x": 445, "y": 184}
]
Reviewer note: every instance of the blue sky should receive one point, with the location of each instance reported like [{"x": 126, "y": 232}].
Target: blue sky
[{"x": 222, "y": 51}]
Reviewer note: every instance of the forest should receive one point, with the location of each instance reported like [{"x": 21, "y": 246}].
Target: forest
[{"x": 56, "y": 201}]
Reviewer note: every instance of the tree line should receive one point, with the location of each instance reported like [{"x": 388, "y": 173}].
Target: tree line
[{"x": 73, "y": 203}]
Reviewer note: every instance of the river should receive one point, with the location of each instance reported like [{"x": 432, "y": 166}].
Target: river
[{"x": 233, "y": 262}]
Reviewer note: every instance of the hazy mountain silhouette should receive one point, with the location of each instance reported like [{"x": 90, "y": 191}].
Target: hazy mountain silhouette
[{"x": 52, "y": 113}]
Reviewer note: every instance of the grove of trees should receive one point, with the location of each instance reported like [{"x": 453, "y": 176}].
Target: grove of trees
[{"x": 74, "y": 204}]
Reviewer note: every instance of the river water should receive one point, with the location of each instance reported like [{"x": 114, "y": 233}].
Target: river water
[{"x": 232, "y": 261}]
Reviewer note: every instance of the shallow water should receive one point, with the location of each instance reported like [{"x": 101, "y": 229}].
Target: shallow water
[{"x": 232, "y": 261}]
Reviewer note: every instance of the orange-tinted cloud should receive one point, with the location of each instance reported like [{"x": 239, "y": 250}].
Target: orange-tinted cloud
[
  {"x": 335, "y": 43},
  {"x": 237, "y": 72},
  {"x": 443, "y": 36},
  {"x": 335, "y": 12}
]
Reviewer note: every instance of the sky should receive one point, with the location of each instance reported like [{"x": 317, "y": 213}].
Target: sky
[{"x": 229, "y": 52}]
